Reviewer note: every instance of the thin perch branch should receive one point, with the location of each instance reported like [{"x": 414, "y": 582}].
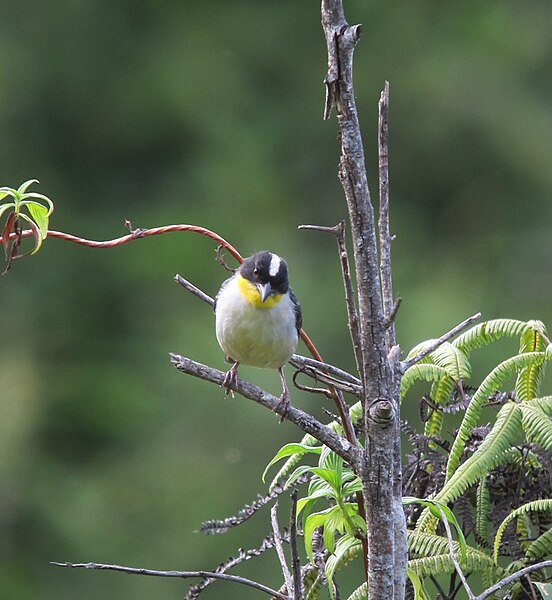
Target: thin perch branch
[
  {"x": 383, "y": 223},
  {"x": 295, "y": 564},
  {"x": 352, "y": 312},
  {"x": 406, "y": 364},
  {"x": 180, "y": 574},
  {"x": 511, "y": 578},
  {"x": 280, "y": 548},
  {"x": 463, "y": 579},
  {"x": 304, "y": 421}
]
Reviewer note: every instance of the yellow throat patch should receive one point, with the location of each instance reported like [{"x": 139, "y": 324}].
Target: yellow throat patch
[{"x": 251, "y": 294}]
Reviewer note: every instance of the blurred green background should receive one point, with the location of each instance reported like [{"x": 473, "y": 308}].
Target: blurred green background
[{"x": 210, "y": 113}]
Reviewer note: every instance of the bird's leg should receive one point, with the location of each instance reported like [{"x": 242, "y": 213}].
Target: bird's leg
[
  {"x": 231, "y": 379},
  {"x": 285, "y": 398}
]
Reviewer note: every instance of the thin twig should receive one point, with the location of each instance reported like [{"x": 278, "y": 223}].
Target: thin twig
[
  {"x": 352, "y": 313},
  {"x": 295, "y": 563},
  {"x": 383, "y": 223},
  {"x": 390, "y": 318},
  {"x": 279, "y": 548},
  {"x": 511, "y": 578},
  {"x": 318, "y": 375},
  {"x": 298, "y": 361},
  {"x": 137, "y": 234},
  {"x": 406, "y": 364},
  {"x": 450, "y": 540},
  {"x": 194, "y": 289},
  {"x": 180, "y": 574},
  {"x": 304, "y": 421}
]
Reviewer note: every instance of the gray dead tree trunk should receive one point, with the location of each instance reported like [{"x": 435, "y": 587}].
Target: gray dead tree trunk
[{"x": 380, "y": 368}]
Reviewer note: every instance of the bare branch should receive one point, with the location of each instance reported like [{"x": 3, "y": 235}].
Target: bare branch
[
  {"x": 304, "y": 421},
  {"x": 453, "y": 554},
  {"x": 299, "y": 361},
  {"x": 194, "y": 289},
  {"x": 511, "y": 578},
  {"x": 352, "y": 313},
  {"x": 295, "y": 564},
  {"x": 406, "y": 364},
  {"x": 384, "y": 235},
  {"x": 279, "y": 547},
  {"x": 390, "y": 318},
  {"x": 327, "y": 379},
  {"x": 180, "y": 574}
]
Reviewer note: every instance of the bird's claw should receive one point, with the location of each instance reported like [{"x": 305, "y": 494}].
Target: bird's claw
[
  {"x": 230, "y": 381},
  {"x": 284, "y": 402}
]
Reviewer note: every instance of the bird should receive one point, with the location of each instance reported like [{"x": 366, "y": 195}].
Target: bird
[{"x": 258, "y": 319}]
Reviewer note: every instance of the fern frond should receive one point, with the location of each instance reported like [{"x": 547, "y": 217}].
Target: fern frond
[
  {"x": 440, "y": 394},
  {"x": 529, "y": 378},
  {"x": 440, "y": 564},
  {"x": 489, "y": 385},
  {"x": 540, "y": 548},
  {"x": 421, "y": 372},
  {"x": 536, "y": 424},
  {"x": 482, "y": 509},
  {"x": 503, "y": 434},
  {"x": 489, "y": 331},
  {"x": 454, "y": 360},
  {"x": 534, "y": 506},
  {"x": 523, "y": 531}
]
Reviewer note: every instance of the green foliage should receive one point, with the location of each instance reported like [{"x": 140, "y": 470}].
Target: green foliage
[
  {"x": 468, "y": 470},
  {"x": 537, "y": 505},
  {"x": 17, "y": 206}
]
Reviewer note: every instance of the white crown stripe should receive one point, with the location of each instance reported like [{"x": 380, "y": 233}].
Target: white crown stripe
[{"x": 275, "y": 262}]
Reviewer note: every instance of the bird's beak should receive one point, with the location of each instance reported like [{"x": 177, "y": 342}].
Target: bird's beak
[{"x": 264, "y": 290}]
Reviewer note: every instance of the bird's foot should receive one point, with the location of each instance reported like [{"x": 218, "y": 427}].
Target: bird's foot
[
  {"x": 284, "y": 403},
  {"x": 230, "y": 380}
]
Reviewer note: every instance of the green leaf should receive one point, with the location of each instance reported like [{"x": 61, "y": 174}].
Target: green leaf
[
  {"x": 23, "y": 187},
  {"x": 40, "y": 215},
  {"x": 330, "y": 477},
  {"x": 334, "y": 522},
  {"x": 314, "y": 520},
  {"x": 419, "y": 591},
  {"x": 545, "y": 589},
  {"x": 290, "y": 450}
]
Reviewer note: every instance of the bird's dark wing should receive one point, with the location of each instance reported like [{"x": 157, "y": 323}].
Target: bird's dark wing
[
  {"x": 224, "y": 284},
  {"x": 296, "y": 310}
]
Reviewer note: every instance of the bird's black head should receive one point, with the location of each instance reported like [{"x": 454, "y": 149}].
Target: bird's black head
[{"x": 267, "y": 271}]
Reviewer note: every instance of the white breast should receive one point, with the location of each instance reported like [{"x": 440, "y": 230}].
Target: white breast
[{"x": 260, "y": 337}]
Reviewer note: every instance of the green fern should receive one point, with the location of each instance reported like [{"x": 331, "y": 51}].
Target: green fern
[
  {"x": 534, "y": 506},
  {"x": 536, "y": 424},
  {"x": 487, "y": 456},
  {"x": 490, "y": 384},
  {"x": 440, "y": 564},
  {"x": 489, "y": 331},
  {"x": 482, "y": 509},
  {"x": 529, "y": 378},
  {"x": 540, "y": 548},
  {"x": 440, "y": 394},
  {"x": 421, "y": 372}
]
